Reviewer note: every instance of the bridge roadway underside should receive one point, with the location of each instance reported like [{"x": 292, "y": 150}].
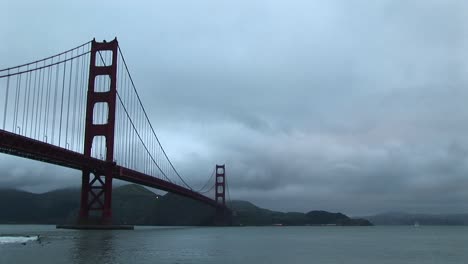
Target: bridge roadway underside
[{"x": 25, "y": 147}]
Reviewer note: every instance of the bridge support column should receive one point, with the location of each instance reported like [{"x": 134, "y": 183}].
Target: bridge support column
[
  {"x": 223, "y": 214},
  {"x": 96, "y": 187}
]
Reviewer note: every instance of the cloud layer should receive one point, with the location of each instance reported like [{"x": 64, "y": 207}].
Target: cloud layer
[{"x": 356, "y": 107}]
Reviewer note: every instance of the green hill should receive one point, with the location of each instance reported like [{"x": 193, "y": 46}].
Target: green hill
[
  {"x": 135, "y": 204},
  {"x": 131, "y": 204},
  {"x": 246, "y": 213}
]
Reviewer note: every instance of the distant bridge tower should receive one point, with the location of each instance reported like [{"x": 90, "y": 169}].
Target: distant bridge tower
[
  {"x": 96, "y": 186},
  {"x": 223, "y": 214},
  {"x": 220, "y": 184}
]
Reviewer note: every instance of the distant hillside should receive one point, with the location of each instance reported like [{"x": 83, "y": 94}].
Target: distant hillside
[
  {"x": 131, "y": 204},
  {"x": 134, "y": 204},
  {"x": 421, "y": 219},
  {"x": 47, "y": 208},
  {"x": 248, "y": 214}
]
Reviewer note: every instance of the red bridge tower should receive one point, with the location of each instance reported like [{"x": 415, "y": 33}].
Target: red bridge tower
[
  {"x": 96, "y": 186},
  {"x": 220, "y": 195}
]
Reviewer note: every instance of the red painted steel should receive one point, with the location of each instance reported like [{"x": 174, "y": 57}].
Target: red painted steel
[{"x": 96, "y": 187}]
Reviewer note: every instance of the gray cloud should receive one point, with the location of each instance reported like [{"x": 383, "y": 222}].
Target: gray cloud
[{"x": 351, "y": 106}]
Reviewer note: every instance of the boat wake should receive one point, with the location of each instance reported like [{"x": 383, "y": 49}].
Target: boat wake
[{"x": 17, "y": 239}]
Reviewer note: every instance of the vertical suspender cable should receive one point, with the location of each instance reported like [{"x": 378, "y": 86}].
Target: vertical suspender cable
[
  {"x": 61, "y": 101},
  {"x": 68, "y": 101},
  {"x": 27, "y": 106},
  {"x": 17, "y": 94},
  {"x": 47, "y": 109},
  {"x": 41, "y": 112},
  {"x": 54, "y": 111},
  {"x": 6, "y": 100},
  {"x": 34, "y": 104},
  {"x": 74, "y": 109},
  {"x": 24, "y": 103}
]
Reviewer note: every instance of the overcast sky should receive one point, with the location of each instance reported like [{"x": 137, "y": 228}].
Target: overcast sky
[{"x": 352, "y": 106}]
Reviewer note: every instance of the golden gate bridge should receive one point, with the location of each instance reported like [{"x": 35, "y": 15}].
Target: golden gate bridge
[{"x": 80, "y": 109}]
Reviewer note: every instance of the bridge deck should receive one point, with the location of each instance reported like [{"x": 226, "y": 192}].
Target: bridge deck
[{"x": 21, "y": 146}]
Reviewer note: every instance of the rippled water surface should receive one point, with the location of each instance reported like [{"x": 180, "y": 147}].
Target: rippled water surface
[{"x": 426, "y": 244}]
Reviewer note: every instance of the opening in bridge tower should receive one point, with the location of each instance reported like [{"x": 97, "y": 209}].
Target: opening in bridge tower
[{"x": 96, "y": 187}]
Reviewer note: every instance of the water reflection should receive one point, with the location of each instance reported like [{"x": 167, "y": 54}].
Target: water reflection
[{"x": 93, "y": 246}]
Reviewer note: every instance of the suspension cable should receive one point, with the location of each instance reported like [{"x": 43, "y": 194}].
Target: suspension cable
[
  {"x": 151, "y": 126},
  {"x": 208, "y": 181},
  {"x": 134, "y": 128},
  {"x": 56, "y": 55},
  {"x": 209, "y": 190}
]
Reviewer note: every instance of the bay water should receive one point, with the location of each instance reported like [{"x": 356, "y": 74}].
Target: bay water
[{"x": 246, "y": 245}]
